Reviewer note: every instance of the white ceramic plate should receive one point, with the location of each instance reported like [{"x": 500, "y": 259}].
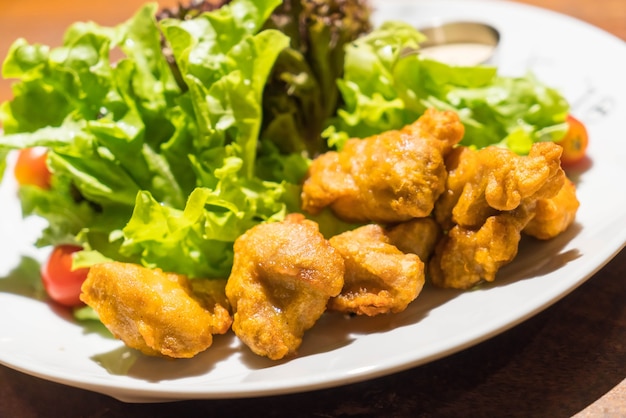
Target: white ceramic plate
[{"x": 586, "y": 63}]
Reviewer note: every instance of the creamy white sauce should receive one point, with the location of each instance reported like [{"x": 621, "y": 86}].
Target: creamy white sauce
[{"x": 464, "y": 54}]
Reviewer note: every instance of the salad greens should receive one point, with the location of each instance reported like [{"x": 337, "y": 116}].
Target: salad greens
[
  {"x": 142, "y": 170},
  {"x": 387, "y": 85},
  {"x": 301, "y": 93},
  {"x": 166, "y": 165}
]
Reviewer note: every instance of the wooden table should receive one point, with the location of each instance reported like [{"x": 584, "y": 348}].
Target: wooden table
[{"x": 569, "y": 360}]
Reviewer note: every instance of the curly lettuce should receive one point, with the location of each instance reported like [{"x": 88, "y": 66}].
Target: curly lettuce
[
  {"x": 144, "y": 170},
  {"x": 388, "y": 84}
]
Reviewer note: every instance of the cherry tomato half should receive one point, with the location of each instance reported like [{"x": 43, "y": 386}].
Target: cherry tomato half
[
  {"x": 61, "y": 282},
  {"x": 31, "y": 168},
  {"x": 574, "y": 142}
]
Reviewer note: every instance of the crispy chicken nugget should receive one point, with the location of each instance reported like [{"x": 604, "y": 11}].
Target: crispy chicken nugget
[
  {"x": 283, "y": 275},
  {"x": 466, "y": 257},
  {"x": 417, "y": 236},
  {"x": 379, "y": 277},
  {"x": 392, "y": 177},
  {"x": 491, "y": 196},
  {"x": 155, "y": 312},
  {"x": 485, "y": 182},
  {"x": 554, "y": 215}
]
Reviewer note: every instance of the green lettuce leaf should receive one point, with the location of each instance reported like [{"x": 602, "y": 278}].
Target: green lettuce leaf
[
  {"x": 146, "y": 170},
  {"x": 302, "y": 92},
  {"x": 387, "y": 85}
]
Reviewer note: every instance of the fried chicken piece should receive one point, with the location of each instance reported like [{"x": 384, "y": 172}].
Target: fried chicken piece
[
  {"x": 494, "y": 179},
  {"x": 282, "y": 278},
  {"x": 491, "y": 196},
  {"x": 379, "y": 277},
  {"x": 554, "y": 215},
  {"x": 155, "y": 312},
  {"x": 392, "y": 177},
  {"x": 465, "y": 257},
  {"x": 417, "y": 236}
]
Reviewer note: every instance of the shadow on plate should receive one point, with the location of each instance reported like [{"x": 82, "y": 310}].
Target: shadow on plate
[
  {"x": 125, "y": 361},
  {"x": 536, "y": 258},
  {"x": 575, "y": 171},
  {"x": 24, "y": 280}
]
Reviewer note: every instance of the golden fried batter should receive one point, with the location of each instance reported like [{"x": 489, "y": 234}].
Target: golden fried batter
[
  {"x": 554, "y": 215},
  {"x": 466, "y": 257},
  {"x": 282, "y": 277},
  {"x": 379, "y": 277},
  {"x": 391, "y": 177},
  {"x": 154, "y": 312},
  {"x": 484, "y": 182},
  {"x": 417, "y": 236},
  {"x": 491, "y": 196}
]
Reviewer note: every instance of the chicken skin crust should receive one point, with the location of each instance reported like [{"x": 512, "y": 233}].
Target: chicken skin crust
[
  {"x": 392, "y": 177},
  {"x": 282, "y": 278},
  {"x": 554, "y": 215},
  {"x": 155, "y": 312},
  {"x": 482, "y": 183},
  {"x": 417, "y": 236},
  {"x": 379, "y": 278},
  {"x": 491, "y": 196},
  {"x": 466, "y": 257}
]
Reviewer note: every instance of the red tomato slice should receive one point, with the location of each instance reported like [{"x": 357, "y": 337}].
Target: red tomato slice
[
  {"x": 31, "y": 168},
  {"x": 574, "y": 142},
  {"x": 61, "y": 282}
]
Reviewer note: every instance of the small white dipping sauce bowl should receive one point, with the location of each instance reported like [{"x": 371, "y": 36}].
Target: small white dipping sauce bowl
[{"x": 460, "y": 43}]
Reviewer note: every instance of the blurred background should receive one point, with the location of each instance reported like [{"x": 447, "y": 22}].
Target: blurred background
[{"x": 44, "y": 21}]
